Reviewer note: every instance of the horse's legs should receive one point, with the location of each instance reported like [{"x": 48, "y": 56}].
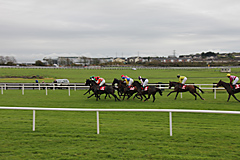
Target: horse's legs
[
  {"x": 90, "y": 95},
  {"x": 200, "y": 96},
  {"x": 194, "y": 95},
  {"x": 147, "y": 98},
  {"x": 235, "y": 97},
  {"x": 170, "y": 93},
  {"x": 176, "y": 95},
  {"x": 229, "y": 95},
  {"x": 124, "y": 95},
  {"x": 129, "y": 95},
  {"x": 116, "y": 98},
  {"x": 87, "y": 91},
  {"x": 153, "y": 97}
]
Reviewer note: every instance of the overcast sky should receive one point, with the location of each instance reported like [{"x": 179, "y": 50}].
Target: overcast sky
[{"x": 33, "y": 29}]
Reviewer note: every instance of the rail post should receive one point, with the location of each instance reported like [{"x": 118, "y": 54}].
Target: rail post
[
  {"x": 23, "y": 89},
  {"x": 215, "y": 93},
  {"x": 1, "y": 89},
  {"x": 170, "y": 123},
  {"x": 68, "y": 91},
  {"x": 98, "y": 122},
  {"x": 34, "y": 120},
  {"x": 46, "y": 91}
]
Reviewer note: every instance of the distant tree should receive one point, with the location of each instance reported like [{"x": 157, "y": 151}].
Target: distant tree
[
  {"x": 10, "y": 60},
  {"x": 2, "y": 60},
  {"x": 39, "y": 63},
  {"x": 49, "y": 60}
]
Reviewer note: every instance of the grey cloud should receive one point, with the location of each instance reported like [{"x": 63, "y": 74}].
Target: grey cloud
[{"x": 102, "y": 28}]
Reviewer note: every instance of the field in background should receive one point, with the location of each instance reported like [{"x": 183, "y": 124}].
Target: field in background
[
  {"x": 80, "y": 75},
  {"x": 123, "y": 135}
]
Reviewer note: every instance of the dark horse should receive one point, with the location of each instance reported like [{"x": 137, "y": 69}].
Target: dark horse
[
  {"x": 178, "y": 88},
  {"x": 150, "y": 90},
  {"x": 120, "y": 85},
  {"x": 88, "y": 83},
  {"x": 99, "y": 90},
  {"x": 230, "y": 91},
  {"x": 124, "y": 90}
]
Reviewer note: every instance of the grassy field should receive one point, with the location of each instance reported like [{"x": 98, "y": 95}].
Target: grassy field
[
  {"x": 78, "y": 75},
  {"x": 123, "y": 135}
]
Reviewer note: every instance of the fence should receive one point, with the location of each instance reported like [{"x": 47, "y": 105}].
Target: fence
[
  {"x": 120, "y": 110},
  {"x": 74, "y": 86}
]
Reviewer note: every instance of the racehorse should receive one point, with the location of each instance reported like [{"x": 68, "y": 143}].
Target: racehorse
[
  {"x": 228, "y": 88},
  {"x": 88, "y": 83},
  {"x": 149, "y": 90},
  {"x": 124, "y": 90},
  {"x": 120, "y": 85},
  {"x": 100, "y": 90},
  {"x": 179, "y": 88}
]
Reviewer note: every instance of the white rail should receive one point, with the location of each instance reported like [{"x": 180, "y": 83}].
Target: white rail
[
  {"x": 3, "y": 87},
  {"x": 119, "y": 110}
]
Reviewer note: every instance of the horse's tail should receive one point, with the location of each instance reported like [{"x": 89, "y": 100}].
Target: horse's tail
[{"x": 199, "y": 88}]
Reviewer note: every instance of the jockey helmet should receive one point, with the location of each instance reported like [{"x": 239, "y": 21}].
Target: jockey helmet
[
  {"x": 122, "y": 75},
  {"x": 228, "y": 75},
  {"x": 139, "y": 77},
  {"x": 178, "y": 75},
  {"x": 91, "y": 77}
]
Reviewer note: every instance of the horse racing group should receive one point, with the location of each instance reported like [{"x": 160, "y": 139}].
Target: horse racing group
[{"x": 127, "y": 87}]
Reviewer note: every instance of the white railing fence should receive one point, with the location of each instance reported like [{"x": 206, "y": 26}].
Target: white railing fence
[
  {"x": 3, "y": 87},
  {"x": 119, "y": 110}
]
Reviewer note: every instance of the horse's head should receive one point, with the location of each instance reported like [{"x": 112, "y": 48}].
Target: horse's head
[
  {"x": 115, "y": 81},
  {"x": 170, "y": 84},
  {"x": 89, "y": 82},
  {"x": 219, "y": 83},
  {"x": 136, "y": 83}
]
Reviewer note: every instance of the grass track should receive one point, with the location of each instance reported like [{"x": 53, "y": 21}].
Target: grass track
[
  {"x": 123, "y": 135},
  {"x": 203, "y": 76}
]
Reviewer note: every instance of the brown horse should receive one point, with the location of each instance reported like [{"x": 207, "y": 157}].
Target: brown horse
[
  {"x": 129, "y": 91},
  {"x": 98, "y": 90},
  {"x": 120, "y": 86},
  {"x": 228, "y": 88},
  {"x": 178, "y": 88},
  {"x": 151, "y": 90}
]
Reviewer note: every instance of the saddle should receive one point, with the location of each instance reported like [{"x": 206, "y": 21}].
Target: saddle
[
  {"x": 144, "y": 88},
  {"x": 131, "y": 88},
  {"x": 102, "y": 88},
  {"x": 182, "y": 86},
  {"x": 237, "y": 86}
]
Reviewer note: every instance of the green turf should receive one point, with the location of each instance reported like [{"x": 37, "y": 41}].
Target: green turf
[
  {"x": 80, "y": 75},
  {"x": 123, "y": 135}
]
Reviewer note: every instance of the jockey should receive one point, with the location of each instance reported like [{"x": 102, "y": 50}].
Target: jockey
[
  {"x": 233, "y": 80},
  {"x": 182, "y": 79},
  {"x": 93, "y": 78},
  {"x": 128, "y": 81},
  {"x": 144, "y": 81},
  {"x": 100, "y": 81},
  {"x": 123, "y": 77}
]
